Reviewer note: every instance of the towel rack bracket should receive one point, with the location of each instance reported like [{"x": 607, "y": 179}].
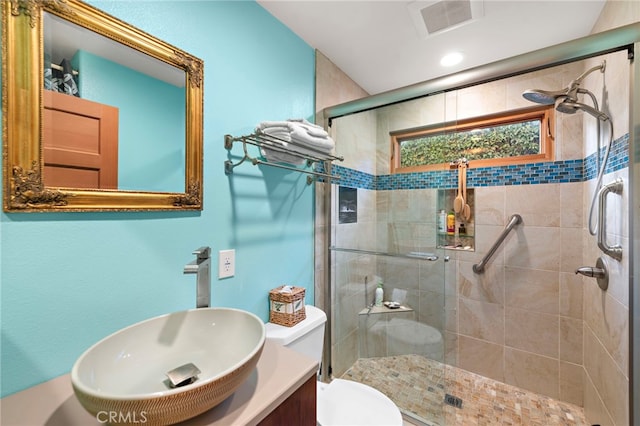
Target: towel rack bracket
[
  {"x": 228, "y": 167},
  {"x": 228, "y": 142}
]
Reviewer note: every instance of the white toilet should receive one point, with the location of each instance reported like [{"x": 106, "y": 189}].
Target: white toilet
[{"x": 341, "y": 402}]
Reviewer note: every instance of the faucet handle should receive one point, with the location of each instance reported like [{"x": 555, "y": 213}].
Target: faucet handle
[
  {"x": 600, "y": 272},
  {"x": 590, "y": 271},
  {"x": 203, "y": 252}
]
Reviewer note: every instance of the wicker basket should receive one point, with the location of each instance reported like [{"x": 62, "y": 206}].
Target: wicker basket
[{"x": 286, "y": 308}]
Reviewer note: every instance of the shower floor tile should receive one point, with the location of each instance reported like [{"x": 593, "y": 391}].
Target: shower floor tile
[{"x": 418, "y": 386}]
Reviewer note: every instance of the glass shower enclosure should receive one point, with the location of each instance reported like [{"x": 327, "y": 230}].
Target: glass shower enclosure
[{"x": 526, "y": 324}]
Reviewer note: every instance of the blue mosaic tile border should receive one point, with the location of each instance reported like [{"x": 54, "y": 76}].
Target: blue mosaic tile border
[
  {"x": 351, "y": 178},
  {"x": 618, "y": 158},
  {"x": 522, "y": 174}
]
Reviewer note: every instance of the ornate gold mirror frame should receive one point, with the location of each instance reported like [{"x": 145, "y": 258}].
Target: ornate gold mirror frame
[{"x": 22, "y": 93}]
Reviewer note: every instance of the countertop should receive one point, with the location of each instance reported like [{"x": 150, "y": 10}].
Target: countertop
[{"x": 279, "y": 372}]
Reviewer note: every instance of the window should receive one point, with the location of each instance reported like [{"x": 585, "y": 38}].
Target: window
[{"x": 514, "y": 137}]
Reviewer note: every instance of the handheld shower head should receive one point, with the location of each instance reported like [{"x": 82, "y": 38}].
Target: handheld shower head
[{"x": 568, "y": 106}]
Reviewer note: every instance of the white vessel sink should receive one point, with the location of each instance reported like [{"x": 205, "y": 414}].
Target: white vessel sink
[{"x": 126, "y": 372}]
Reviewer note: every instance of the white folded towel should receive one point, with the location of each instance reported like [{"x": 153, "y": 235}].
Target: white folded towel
[
  {"x": 312, "y": 129},
  {"x": 278, "y": 132},
  {"x": 307, "y": 139},
  {"x": 303, "y": 121},
  {"x": 280, "y": 157},
  {"x": 275, "y": 155},
  {"x": 301, "y": 136},
  {"x": 266, "y": 124},
  {"x": 318, "y": 132}
]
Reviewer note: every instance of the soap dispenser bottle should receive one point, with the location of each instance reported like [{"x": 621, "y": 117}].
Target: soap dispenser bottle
[
  {"x": 442, "y": 222},
  {"x": 379, "y": 294},
  {"x": 451, "y": 223}
]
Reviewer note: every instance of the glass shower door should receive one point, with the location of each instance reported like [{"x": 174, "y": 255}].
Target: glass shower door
[
  {"x": 400, "y": 345},
  {"x": 383, "y": 232}
]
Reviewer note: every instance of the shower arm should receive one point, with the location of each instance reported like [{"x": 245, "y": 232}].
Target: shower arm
[
  {"x": 574, "y": 87},
  {"x": 582, "y": 76}
]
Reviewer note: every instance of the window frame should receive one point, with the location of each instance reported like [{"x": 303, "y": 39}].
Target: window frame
[{"x": 545, "y": 113}]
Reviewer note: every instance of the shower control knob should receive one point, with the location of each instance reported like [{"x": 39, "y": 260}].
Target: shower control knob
[
  {"x": 589, "y": 271},
  {"x": 600, "y": 272}
]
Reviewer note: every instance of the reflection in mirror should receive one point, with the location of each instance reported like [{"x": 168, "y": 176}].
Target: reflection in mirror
[
  {"x": 97, "y": 114},
  {"x": 117, "y": 120}
]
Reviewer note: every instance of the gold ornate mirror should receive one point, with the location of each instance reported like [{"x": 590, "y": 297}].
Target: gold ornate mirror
[{"x": 130, "y": 143}]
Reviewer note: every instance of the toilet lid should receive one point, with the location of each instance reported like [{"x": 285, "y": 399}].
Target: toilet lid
[{"x": 343, "y": 402}]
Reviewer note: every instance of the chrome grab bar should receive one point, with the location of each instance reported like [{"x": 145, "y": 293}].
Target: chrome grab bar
[
  {"x": 615, "y": 187},
  {"x": 515, "y": 219}
]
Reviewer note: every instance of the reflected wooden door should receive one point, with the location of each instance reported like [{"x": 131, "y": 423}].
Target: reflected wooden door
[{"x": 80, "y": 142}]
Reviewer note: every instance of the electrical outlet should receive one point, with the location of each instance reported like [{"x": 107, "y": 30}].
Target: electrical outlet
[{"x": 226, "y": 263}]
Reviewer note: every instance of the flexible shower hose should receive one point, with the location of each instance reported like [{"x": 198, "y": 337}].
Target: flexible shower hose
[{"x": 593, "y": 228}]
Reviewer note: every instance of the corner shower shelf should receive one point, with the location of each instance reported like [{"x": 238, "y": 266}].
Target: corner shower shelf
[
  {"x": 291, "y": 148},
  {"x": 384, "y": 310}
]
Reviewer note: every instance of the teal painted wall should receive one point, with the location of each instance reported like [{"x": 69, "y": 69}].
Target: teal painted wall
[
  {"x": 69, "y": 279},
  {"x": 151, "y": 119}
]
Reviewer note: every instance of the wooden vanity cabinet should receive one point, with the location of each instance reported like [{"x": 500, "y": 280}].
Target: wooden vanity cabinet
[{"x": 299, "y": 409}]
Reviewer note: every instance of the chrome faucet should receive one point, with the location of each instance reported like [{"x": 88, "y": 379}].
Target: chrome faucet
[{"x": 202, "y": 268}]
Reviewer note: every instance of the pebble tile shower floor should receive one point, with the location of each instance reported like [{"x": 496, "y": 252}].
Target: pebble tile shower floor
[{"x": 418, "y": 385}]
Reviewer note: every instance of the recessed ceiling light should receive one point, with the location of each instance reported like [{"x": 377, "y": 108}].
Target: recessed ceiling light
[{"x": 451, "y": 59}]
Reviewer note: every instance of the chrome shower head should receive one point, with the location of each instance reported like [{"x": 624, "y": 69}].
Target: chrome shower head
[
  {"x": 544, "y": 97},
  {"x": 568, "y": 106}
]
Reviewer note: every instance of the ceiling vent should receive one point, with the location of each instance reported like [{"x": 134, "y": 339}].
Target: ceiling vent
[{"x": 432, "y": 17}]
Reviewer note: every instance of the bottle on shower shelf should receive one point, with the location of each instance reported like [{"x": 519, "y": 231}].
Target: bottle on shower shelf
[
  {"x": 442, "y": 221},
  {"x": 451, "y": 223},
  {"x": 379, "y": 294}
]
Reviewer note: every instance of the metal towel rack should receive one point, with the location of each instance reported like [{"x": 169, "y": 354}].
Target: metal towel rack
[
  {"x": 263, "y": 140},
  {"x": 516, "y": 219}
]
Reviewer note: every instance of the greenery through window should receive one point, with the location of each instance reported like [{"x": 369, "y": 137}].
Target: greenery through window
[{"x": 507, "y": 138}]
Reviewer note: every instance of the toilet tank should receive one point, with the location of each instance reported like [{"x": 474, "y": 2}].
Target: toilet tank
[{"x": 306, "y": 337}]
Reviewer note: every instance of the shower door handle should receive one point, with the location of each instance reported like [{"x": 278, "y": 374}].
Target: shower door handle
[{"x": 615, "y": 187}]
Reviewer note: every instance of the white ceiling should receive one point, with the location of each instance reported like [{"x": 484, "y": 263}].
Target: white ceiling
[{"x": 377, "y": 44}]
